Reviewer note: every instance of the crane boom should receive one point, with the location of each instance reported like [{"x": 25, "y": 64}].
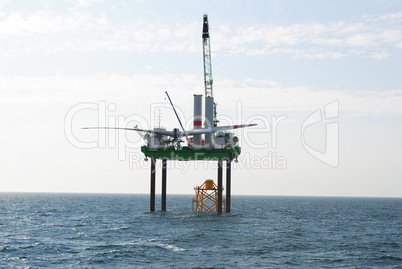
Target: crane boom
[
  {"x": 208, "y": 81},
  {"x": 207, "y": 58}
]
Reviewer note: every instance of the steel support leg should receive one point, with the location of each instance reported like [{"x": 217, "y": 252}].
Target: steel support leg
[
  {"x": 228, "y": 182},
  {"x": 164, "y": 172},
  {"x": 220, "y": 186},
  {"x": 152, "y": 193}
]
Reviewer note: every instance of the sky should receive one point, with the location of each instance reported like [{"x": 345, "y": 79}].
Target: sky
[{"x": 321, "y": 79}]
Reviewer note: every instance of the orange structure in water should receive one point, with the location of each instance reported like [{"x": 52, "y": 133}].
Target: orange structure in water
[{"x": 206, "y": 197}]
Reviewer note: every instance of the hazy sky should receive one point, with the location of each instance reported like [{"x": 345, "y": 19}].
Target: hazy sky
[{"x": 321, "y": 78}]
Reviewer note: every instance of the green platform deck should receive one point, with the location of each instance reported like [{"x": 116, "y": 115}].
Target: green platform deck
[{"x": 192, "y": 154}]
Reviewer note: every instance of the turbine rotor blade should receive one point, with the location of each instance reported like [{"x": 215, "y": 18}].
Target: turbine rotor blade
[
  {"x": 177, "y": 133},
  {"x": 158, "y": 132},
  {"x": 216, "y": 129}
]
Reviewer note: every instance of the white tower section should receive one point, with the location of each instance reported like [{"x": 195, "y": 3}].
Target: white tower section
[
  {"x": 209, "y": 122},
  {"x": 197, "y": 119}
]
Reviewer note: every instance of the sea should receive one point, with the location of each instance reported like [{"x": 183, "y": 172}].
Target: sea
[{"x": 44, "y": 230}]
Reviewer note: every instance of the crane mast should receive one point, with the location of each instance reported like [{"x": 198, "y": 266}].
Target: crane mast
[
  {"x": 207, "y": 58},
  {"x": 208, "y": 81}
]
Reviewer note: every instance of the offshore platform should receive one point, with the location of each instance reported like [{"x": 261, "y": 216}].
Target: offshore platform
[{"x": 206, "y": 143}]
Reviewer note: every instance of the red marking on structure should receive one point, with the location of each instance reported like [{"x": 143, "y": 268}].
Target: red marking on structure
[
  {"x": 237, "y": 126},
  {"x": 197, "y": 123}
]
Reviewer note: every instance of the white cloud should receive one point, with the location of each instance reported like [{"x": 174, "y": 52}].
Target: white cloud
[
  {"x": 394, "y": 17},
  {"x": 328, "y": 41},
  {"x": 262, "y": 95},
  {"x": 49, "y": 32},
  {"x": 380, "y": 56},
  {"x": 314, "y": 40},
  {"x": 359, "y": 40},
  {"x": 87, "y": 3},
  {"x": 302, "y": 98},
  {"x": 329, "y": 55},
  {"x": 78, "y": 29}
]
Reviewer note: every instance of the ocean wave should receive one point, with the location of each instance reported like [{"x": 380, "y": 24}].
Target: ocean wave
[
  {"x": 389, "y": 257},
  {"x": 172, "y": 247},
  {"x": 119, "y": 228}
]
